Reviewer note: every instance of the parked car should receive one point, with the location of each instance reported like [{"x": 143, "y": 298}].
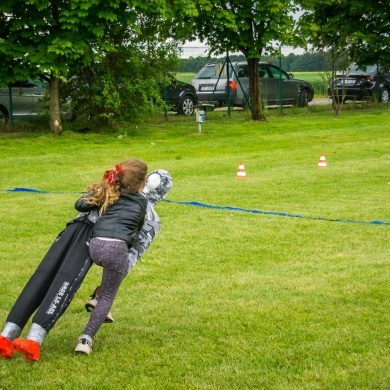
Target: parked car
[
  {"x": 180, "y": 97},
  {"x": 209, "y": 88},
  {"x": 361, "y": 83},
  {"x": 27, "y": 99}
]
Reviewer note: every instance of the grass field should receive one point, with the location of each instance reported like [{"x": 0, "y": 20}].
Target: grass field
[{"x": 289, "y": 291}]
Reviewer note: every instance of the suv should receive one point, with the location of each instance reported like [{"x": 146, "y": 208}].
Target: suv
[
  {"x": 26, "y": 100},
  {"x": 208, "y": 88},
  {"x": 362, "y": 83},
  {"x": 180, "y": 97}
]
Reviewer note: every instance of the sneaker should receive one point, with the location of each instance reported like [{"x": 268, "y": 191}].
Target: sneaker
[
  {"x": 29, "y": 348},
  {"x": 6, "y": 347},
  {"x": 90, "y": 305},
  {"x": 83, "y": 346}
]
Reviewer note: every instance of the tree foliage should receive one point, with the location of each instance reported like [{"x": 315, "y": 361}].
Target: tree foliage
[
  {"x": 55, "y": 36},
  {"x": 44, "y": 36},
  {"x": 359, "y": 29},
  {"x": 250, "y": 27},
  {"x": 121, "y": 84}
]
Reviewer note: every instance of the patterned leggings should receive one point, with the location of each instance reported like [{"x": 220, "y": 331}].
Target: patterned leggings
[{"x": 113, "y": 257}]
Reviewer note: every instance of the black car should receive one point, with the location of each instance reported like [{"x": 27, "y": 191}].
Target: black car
[
  {"x": 360, "y": 83},
  {"x": 180, "y": 97}
]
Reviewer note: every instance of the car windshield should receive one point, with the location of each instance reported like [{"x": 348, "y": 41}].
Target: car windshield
[
  {"x": 213, "y": 71},
  {"x": 356, "y": 69}
]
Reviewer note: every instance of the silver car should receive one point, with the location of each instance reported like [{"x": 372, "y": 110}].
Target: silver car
[
  {"x": 26, "y": 100},
  {"x": 274, "y": 82}
]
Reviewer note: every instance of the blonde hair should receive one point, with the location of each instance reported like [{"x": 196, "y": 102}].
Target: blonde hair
[{"x": 129, "y": 176}]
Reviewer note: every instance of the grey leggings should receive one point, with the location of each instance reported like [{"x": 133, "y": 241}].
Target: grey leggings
[{"x": 113, "y": 257}]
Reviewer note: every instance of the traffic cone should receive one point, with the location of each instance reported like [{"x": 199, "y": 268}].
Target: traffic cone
[
  {"x": 322, "y": 162},
  {"x": 241, "y": 171}
]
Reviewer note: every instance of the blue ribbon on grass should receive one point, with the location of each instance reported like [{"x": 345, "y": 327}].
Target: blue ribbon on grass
[
  {"x": 228, "y": 208},
  {"x": 254, "y": 211}
]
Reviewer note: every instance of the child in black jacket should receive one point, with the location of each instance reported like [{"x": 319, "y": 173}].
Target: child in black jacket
[{"x": 122, "y": 209}]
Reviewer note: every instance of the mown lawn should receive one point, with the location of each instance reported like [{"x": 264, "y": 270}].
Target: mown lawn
[{"x": 288, "y": 288}]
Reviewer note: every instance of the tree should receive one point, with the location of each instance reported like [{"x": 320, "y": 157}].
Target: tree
[
  {"x": 120, "y": 84},
  {"x": 250, "y": 27},
  {"x": 53, "y": 36},
  {"x": 359, "y": 29}
]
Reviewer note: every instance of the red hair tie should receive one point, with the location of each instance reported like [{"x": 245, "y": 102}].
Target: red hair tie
[{"x": 111, "y": 175}]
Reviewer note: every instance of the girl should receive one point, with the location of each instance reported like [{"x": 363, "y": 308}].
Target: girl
[
  {"x": 67, "y": 262},
  {"x": 121, "y": 209}
]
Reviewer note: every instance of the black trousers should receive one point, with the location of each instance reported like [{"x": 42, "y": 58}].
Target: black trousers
[{"x": 56, "y": 280}]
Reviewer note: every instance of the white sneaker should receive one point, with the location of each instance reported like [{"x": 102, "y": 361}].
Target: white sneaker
[
  {"x": 90, "y": 305},
  {"x": 83, "y": 346}
]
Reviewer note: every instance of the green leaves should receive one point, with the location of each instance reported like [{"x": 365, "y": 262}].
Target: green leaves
[{"x": 358, "y": 29}]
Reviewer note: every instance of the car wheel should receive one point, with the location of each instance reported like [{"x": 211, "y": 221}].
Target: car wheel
[
  {"x": 302, "y": 100},
  {"x": 384, "y": 95},
  {"x": 186, "y": 106},
  {"x": 4, "y": 116}
]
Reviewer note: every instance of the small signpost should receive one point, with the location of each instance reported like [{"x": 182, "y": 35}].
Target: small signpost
[{"x": 200, "y": 114}]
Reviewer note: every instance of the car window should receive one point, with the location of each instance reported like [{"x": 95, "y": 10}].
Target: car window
[
  {"x": 356, "y": 69},
  {"x": 213, "y": 71},
  {"x": 276, "y": 72},
  {"x": 206, "y": 72},
  {"x": 263, "y": 72},
  {"x": 38, "y": 83},
  {"x": 30, "y": 83},
  {"x": 243, "y": 71}
]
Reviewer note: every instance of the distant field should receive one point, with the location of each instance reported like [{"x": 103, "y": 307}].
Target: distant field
[
  {"x": 319, "y": 80},
  {"x": 186, "y": 77},
  {"x": 310, "y": 76}
]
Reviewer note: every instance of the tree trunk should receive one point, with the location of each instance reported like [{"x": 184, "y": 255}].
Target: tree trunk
[
  {"x": 54, "y": 96},
  {"x": 254, "y": 85}
]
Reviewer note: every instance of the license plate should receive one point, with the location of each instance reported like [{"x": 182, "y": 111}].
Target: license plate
[
  {"x": 347, "y": 82},
  {"x": 206, "y": 87}
]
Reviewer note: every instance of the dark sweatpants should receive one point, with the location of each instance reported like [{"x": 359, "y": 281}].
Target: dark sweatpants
[{"x": 56, "y": 280}]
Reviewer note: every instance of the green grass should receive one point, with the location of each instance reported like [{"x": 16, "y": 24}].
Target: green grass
[
  {"x": 312, "y": 77},
  {"x": 223, "y": 299},
  {"x": 186, "y": 77},
  {"x": 319, "y": 80}
]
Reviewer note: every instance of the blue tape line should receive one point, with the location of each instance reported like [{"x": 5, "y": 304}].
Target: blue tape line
[
  {"x": 22, "y": 189},
  {"x": 230, "y": 208}
]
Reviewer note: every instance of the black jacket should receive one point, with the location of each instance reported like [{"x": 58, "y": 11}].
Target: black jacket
[{"x": 121, "y": 220}]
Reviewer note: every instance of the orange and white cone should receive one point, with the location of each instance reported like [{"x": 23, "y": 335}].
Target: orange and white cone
[
  {"x": 241, "y": 171},
  {"x": 322, "y": 162}
]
